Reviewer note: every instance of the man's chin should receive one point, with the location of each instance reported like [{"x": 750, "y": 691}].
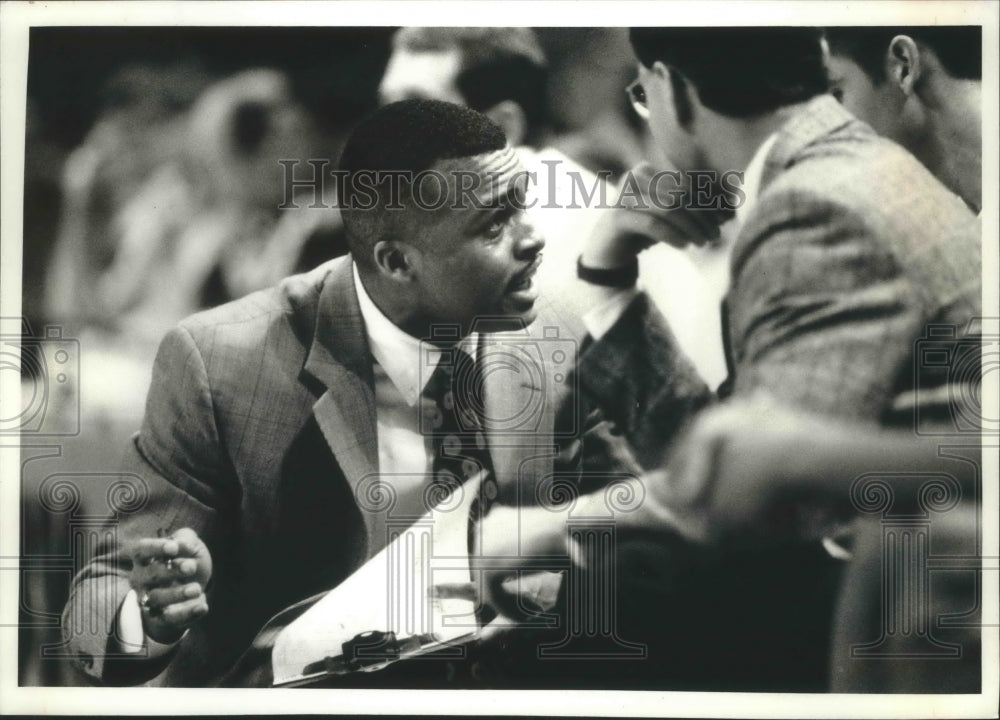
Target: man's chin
[
  {"x": 529, "y": 316},
  {"x": 510, "y": 318},
  {"x": 523, "y": 305}
]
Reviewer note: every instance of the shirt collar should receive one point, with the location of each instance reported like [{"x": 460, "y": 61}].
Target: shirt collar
[
  {"x": 398, "y": 352},
  {"x": 751, "y": 180}
]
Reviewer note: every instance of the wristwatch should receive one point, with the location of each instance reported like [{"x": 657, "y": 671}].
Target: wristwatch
[{"x": 620, "y": 277}]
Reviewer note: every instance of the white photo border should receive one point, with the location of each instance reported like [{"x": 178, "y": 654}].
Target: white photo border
[{"x": 16, "y": 19}]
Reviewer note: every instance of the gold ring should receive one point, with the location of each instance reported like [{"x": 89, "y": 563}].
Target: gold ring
[{"x": 144, "y": 601}]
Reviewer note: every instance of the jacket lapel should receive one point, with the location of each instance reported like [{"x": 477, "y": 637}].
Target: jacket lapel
[
  {"x": 520, "y": 404},
  {"x": 339, "y": 359},
  {"x": 520, "y": 408}
]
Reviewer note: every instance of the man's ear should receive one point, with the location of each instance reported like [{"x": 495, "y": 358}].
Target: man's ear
[
  {"x": 660, "y": 70},
  {"x": 393, "y": 259},
  {"x": 511, "y": 119},
  {"x": 903, "y": 64},
  {"x": 678, "y": 92}
]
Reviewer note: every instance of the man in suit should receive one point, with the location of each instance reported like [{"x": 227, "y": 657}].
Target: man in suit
[
  {"x": 504, "y": 73},
  {"x": 832, "y": 285},
  {"x": 850, "y": 260},
  {"x": 274, "y": 423},
  {"x": 919, "y": 86}
]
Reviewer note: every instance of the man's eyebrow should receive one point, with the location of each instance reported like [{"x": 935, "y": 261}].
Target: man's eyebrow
[
  {"x": 507, "y": 201},
  {"x": 484, "y": 216},
  {"x": 488, "y": 214},
  {"x": 518, "y": 184}
]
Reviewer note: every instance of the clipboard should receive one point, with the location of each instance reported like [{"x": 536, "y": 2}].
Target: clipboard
[{"x": 388, "y": 610}]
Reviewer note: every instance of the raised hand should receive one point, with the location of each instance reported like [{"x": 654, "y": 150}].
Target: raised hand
[
  {"x": 657, "y": 205},
  {"x": 170, "y": 575}
]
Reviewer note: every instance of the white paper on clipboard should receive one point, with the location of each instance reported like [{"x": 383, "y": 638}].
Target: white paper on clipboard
[{"x": 392, "y": 592}]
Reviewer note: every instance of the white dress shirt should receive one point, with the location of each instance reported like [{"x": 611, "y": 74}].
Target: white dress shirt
[
  {"x": 685, "y": 285},
  {"x": 688, "y": 285},
  {"x": 405, "y": 455},
  {"x": 751, "y": 181}
]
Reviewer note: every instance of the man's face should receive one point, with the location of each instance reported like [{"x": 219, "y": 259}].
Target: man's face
[
  {"x": 474, "y": 261},
  {"x": 879, "y": 105},
  {"x": 421, "y": 76}
]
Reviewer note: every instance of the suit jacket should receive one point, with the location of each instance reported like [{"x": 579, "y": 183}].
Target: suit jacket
[
  {"x": 853, "y": 285},
  {"x": 854, "y": 282},
  {"x": 259, "y": 426}
]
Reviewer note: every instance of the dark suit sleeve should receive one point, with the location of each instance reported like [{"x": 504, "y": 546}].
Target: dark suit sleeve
[
  {"x": 642, "y": 382},
  {"x": 821, "y": 314},
  {"x": 182, "y": 479}
]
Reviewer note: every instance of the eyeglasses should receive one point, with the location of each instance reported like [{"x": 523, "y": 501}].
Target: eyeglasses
[{"x": 637, "y": 96}]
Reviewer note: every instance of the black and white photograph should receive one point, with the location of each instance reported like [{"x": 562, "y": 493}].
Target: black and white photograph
[{"x": 643, "y": 356}]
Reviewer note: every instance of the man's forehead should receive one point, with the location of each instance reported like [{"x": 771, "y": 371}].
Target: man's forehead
[{"x": 495, "y": 170}]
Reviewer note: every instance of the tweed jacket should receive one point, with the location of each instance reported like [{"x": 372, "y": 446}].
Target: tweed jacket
[
  {"x": 855, "y": 284},
  {"x": 259, "y": 424}
]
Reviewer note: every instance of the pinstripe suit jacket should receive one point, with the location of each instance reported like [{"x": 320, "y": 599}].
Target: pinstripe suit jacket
[
  {"x": 259, "y": 421},
  {"x": 855, "y": 263}
]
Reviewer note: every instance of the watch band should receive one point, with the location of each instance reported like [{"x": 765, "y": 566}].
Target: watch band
[{"x": 620, "y": 277}]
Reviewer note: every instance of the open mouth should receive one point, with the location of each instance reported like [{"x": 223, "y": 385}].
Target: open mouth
[
  {"x": 525, "y": 279},
  {"x": 521, "y": 283}
]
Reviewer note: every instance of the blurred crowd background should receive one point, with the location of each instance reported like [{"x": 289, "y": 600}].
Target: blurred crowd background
[
  {"x": 145, "y": 143},
  {"x": 153, "y": 189}
]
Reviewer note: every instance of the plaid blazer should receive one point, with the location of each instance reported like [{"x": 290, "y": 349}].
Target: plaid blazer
[
  {"x": 259, "y": 423},
  {"x": 855, "y": 284}
]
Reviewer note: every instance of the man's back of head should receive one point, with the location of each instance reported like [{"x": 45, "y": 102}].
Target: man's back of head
[
  {"x": 921, "y": 87},
  {"x": 713, "y": 95},
  {"x": 959, "y": 49},
  {"x": 738, "y": 72}
]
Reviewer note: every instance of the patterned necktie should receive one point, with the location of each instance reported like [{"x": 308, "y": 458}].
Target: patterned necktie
[{"x": 460, "y": 449}]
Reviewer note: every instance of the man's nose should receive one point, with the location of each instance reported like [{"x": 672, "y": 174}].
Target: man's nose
[{"x": 528, "y": 241}]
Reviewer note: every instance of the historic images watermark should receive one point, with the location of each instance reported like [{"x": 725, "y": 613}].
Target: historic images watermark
[
  {"x": 950, "y": 363},
  {"x": 570, "y": 597},
  {"x": 90, "y": 531},
  {"x": 921, "y": 549},
  {"x": 916, "y": 512},
  {"x": 567, "y": 597},
  {"x": 311, "y": 183},
  {"x": 48, "y": 363}
]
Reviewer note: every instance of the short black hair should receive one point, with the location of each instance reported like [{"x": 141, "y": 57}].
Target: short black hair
[
  {"x": 739, "y": 71},
  {"x": 409, "y": 136},
  {"x": 959, "y": 48},
  {"x": 496, "y": 64}
]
